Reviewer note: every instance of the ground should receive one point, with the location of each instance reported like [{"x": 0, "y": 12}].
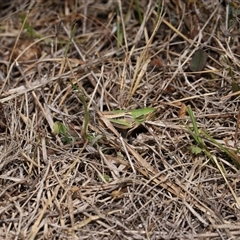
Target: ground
[{"x": 119, "y": 119}]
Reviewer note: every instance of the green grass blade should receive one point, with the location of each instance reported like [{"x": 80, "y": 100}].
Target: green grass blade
[
  {"x": 139, "y": 12},
  {"x": 73, "y": 31},
  {"x": 195, "y": 133},
  {"x": 230, "y": 153},
  {"x": 84, "y": 132}
]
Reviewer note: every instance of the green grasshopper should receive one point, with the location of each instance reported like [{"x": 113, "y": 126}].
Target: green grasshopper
[{"x": 125, "y": 119}]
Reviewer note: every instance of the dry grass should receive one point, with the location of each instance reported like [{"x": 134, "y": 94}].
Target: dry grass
[{"x": 67, "y": 171}]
